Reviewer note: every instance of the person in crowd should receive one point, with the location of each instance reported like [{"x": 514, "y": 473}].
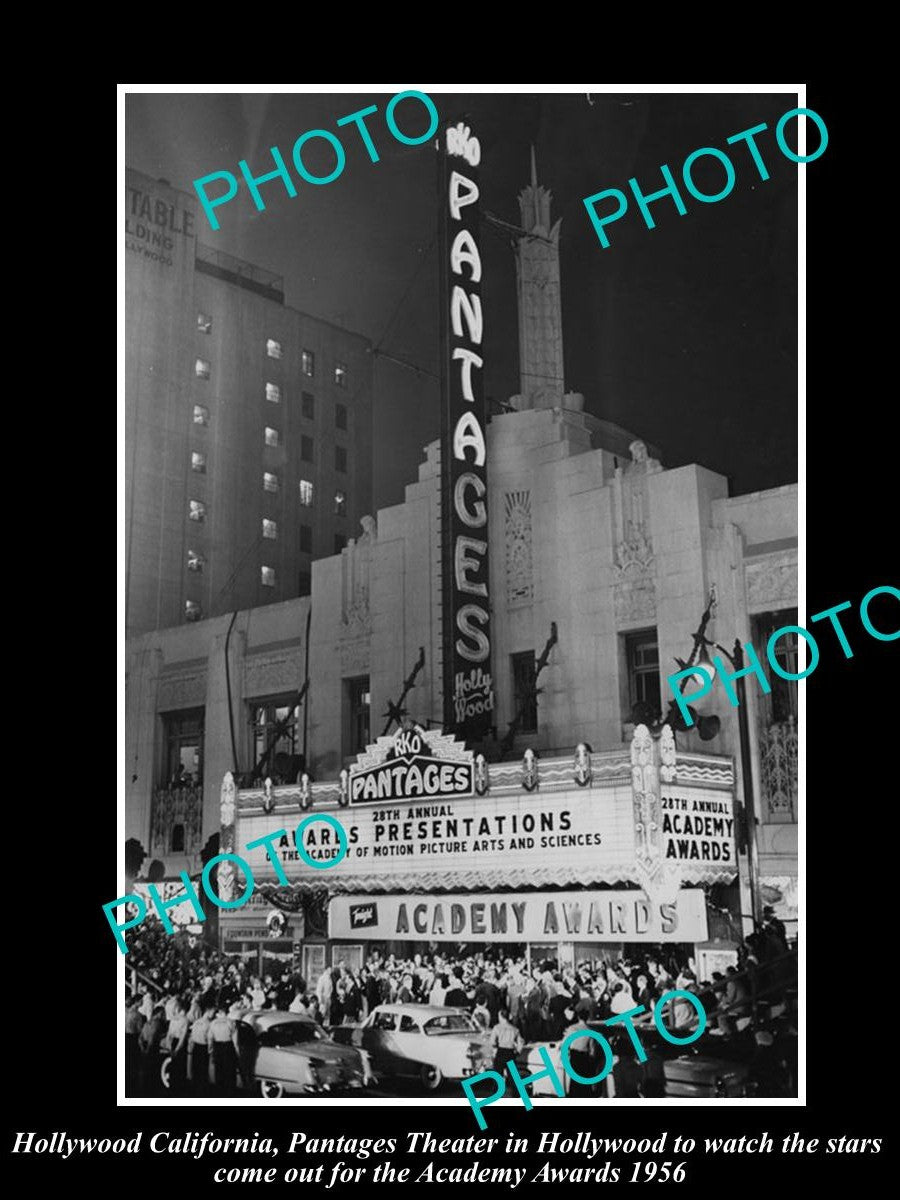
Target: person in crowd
[
  {"x": 456, "y": 996},
  {"x": 625, "y": 1078},
  {"x": 151, "y": 1039},
  {"x": 737, "y": 998},
  {"x": 324, "y": 993},
  {"x": 134, "y": 1023},
  {"x": 643, "y": 991},
  {"x": 175, "y": 1042},
  {"x": 247, "y": 1046},
  {"x": 371, "y": 989},
  {"x": 775, "y": 930},
  {"x": 284, "y": 991},
  {"x": 622, "y": 1000},
  {"x": 582, "y": 1052},
  {"x": 257, "y": 995},
  {"x": 198, "y": 1052},
  {"x": 351, "y": 997},
  {"x": 223, "y": 1050},
  {"x": 505, "y": 1042},
  {"x": 487, "y": 994},
  {"x": 146, "y": 1005},
  {"x": 439, "y": 990},
  {"x": 406, "y": 994},
  {"x": 481, "y": 1015},
  {"x": 558, "y": 1006}
]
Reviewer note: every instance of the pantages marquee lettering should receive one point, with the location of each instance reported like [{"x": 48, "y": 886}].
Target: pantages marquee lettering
[
  {"x": 414, "y": 764},
  {"x": 465, "y": 486}
]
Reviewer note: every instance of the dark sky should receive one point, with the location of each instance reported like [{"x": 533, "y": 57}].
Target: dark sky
[{"x": 685, "y": 334}]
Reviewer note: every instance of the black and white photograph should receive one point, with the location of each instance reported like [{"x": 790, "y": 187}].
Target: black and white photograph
[
  {"x": 488, "y": 618},
  {"x": 418, "y": 526}
]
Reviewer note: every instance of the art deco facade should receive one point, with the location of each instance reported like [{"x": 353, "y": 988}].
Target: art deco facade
[{"x": 589, "y": 534}]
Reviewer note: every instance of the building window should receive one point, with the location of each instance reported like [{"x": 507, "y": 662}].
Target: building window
[
  {"x": 340, "y": 375},
  {"x": 273, "y": 348},
  {"x": 192, "y": 611},
  {"x": 340, "y": 416},
  {"x": 308, "y": 363},
  {"x": 273, "y": 393},
  {"x": 201, "y": 414},
  {"x": 304, "y": 583},
  {"x": 271, "y": 436},
  {"x": 339, "y": 542},
  {"x": 306, "y": 493},
  {"x": 198, "y": 462},
  {"x": 270, "y": 481},
  {"x": 306, "y": 539},
  {"x": 340, "y": 504},
  {"x": 642, "y": 660},
  {"x": 524, "y": 699},
  {"x": 306, "y": 448},
  {"x": 196, "y": 562},
  {"x": 780, "y": 704},
  {"x": 340, "y": 459},
  {"x": 273, "y": 734},
  {"x": 183, "y": 766},
  {"x": 269, "y": 529},
  {"x": 359, "y": 699},
  {"x": 204, "y": 323},
  {"x": 201, "y": 368},
  {"x": 267, "y": 576},
  {"x": 196, "y": 510},
  {"x": 307, "y": 406}
]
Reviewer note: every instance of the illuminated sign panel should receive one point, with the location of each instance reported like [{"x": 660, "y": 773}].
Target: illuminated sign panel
[{"x": 468, "y": 690}]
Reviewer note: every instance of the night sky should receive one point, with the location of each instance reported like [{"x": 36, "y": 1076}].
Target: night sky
[{"x": 685, "y": 334}]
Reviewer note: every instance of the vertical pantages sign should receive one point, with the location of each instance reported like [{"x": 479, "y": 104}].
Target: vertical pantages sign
[{"x": 468, "y": 688}]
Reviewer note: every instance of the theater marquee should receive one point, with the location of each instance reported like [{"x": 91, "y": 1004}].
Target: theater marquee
[
  {"x": 611, "y": 916},
  {"x": 559, "y": 837},
  {"x": 413, "y": 764}
]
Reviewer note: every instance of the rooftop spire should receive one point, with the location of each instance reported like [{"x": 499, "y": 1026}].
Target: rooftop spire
[{"x": 534, "y": 181}]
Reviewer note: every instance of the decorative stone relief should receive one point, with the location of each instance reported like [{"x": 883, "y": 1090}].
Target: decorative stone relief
[
  {"x": 281, "y": 671},
  {"x": 225, "y": 870},
  {"x": 187, "y": 690},
  {"x": 660, "y": 880},
  {"x": 519, "y": 579},
  {"x": 355, "y": 566},
  {"x": 645, "y": 796},
  {"x": 354, "y": 656},
  {"x": 667, "y": 755},
  {"x": 540, "y": 313},
  {"x": 171, "y": 807},
  {"x": 778, "y": 759},
  {"x": 771, "y": 581},
  {"x": 635, "y": 601}
]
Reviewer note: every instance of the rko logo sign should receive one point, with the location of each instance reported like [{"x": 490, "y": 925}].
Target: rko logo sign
[{"x": 412, "y": 765}]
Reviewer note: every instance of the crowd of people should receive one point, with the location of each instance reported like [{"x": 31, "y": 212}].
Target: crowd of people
[{"x": 189, "y": 996}]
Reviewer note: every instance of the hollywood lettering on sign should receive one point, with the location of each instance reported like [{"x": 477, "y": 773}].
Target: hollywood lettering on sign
[
  {"x": 414, "y": 764},
  {"x": 468, "y": 695}
]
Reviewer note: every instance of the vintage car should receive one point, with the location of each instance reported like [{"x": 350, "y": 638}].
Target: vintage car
[
  {"x": 293, "y": 1056},
  {"x": 707, "y": 1075},
  {"x": 427, "y": 1042},
  {"x": 666, "y": 1069}
]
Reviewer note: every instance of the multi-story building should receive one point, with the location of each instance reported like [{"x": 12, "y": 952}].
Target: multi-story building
[
  {"x": 598, "y": 554},
  {"x": 248, "y": 425}
]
